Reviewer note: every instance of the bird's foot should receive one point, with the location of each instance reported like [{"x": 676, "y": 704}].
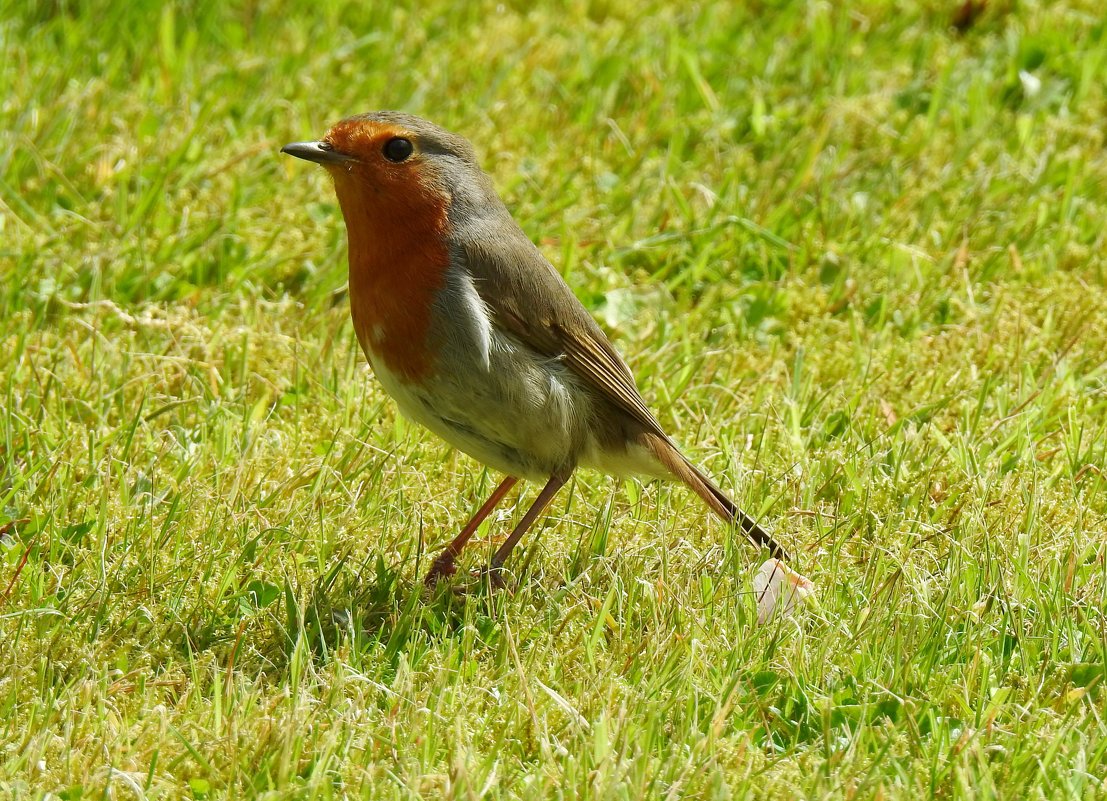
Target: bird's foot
[
  {"x": 441, "y": 567},
  {"x": 493, "y": 574}
]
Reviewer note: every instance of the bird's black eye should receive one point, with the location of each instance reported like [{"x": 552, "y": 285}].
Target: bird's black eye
[{"x": 398, "y": 149}]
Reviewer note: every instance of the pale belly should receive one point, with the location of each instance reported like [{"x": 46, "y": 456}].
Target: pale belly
[
  {"x": 521, "y": 416},
  {"x": 509, "y": 407}
]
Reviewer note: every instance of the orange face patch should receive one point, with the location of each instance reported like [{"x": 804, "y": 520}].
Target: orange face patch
[{"x": 396, "y": 223}]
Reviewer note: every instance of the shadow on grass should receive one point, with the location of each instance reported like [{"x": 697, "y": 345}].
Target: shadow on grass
[{"x": 378, "y": 613}]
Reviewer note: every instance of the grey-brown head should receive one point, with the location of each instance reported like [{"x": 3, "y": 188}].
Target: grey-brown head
[{"x": 389, "y": 159}]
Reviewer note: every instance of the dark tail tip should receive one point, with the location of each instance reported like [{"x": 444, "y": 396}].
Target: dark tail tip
[{"x": 714, "y": 497}]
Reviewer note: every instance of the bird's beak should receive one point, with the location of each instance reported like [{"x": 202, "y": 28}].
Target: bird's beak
[{"x": 319, "y": 152}]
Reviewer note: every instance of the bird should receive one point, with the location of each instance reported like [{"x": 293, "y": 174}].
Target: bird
[{"x": 476, "y": 336}]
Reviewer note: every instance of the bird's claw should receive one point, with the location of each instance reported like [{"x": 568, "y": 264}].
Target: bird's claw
[
  {"x": 493, "y": 574},
  {"x": 442, "y": 567}
]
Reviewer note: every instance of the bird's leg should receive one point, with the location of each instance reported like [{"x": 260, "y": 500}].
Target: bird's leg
[
  {"x": 443, "y": 565},
  {"x": 541, "y": 502}
]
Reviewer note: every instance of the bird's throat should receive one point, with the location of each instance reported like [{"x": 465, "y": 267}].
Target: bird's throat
[{"x": 398, "y": 263}]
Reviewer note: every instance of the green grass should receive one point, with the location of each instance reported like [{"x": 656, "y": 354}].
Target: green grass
[{"x": 856, "y": 259}]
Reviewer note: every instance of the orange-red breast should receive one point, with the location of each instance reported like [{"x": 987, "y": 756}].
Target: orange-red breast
[{"x": 475, "y": 335}]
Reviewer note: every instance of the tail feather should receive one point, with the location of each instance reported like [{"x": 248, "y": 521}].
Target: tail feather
[{"x": 677, "y": 464}]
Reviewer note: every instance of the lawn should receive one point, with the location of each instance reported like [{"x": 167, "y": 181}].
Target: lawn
[{"x": 856, "y": 259}]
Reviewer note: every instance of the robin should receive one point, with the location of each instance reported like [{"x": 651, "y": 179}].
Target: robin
[{"x": 473, "y": 332}]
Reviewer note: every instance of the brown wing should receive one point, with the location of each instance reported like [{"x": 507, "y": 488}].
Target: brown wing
[{"x": 527, "y": 297}]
